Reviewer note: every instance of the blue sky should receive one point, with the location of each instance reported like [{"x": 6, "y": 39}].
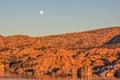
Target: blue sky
[{"x": 61, "y": 16}]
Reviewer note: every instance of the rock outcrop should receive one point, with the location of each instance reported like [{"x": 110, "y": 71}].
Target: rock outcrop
[
  {"x": 115, "y": 39},
  {"x": 79, "y": 55}
]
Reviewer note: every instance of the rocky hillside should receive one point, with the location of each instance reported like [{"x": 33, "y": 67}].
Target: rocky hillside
[{"x": 84, "y": 54}]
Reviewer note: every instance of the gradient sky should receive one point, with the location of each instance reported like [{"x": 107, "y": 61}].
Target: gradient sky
[{"x": 61, "y": 16}]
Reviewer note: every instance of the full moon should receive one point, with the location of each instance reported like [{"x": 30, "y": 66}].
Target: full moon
[{"x": 41, "y": 12}]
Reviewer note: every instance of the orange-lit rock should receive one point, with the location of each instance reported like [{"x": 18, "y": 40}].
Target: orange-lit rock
[{"x": 83, "y": 54}]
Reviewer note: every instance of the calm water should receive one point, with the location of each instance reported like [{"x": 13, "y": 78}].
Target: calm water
[
  {"x": 9, "y": 76},
  {"x": 13, "y": 76}
]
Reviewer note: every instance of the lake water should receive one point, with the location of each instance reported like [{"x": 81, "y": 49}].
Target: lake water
[{"x": 13, "y": 76}]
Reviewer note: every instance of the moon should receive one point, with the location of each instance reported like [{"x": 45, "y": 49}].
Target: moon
[{"x": 42, "y": 12}]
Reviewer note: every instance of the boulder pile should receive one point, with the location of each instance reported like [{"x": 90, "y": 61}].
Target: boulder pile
[{"x": 78, "y": 55}]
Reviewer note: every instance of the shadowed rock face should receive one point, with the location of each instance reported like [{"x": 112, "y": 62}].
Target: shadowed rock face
[
  {"x": 83, "y": 54},
  {"x": 115, "y": 39},
  {"x": 117, "y": 73}
]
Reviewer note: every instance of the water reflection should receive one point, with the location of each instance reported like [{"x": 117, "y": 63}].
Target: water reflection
[{"x": 14, "y": 76}]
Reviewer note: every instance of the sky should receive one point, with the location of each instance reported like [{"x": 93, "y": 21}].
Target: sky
[{"x": 60, "y": 16}]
